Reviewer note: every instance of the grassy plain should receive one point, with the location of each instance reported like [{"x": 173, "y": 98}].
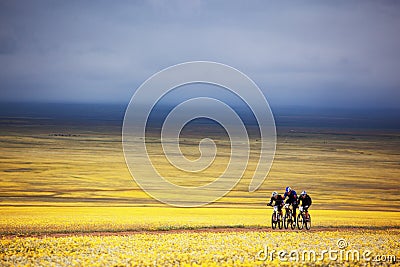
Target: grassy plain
[
  {"x": 51, "y": 220},
  {"x": 68, "y": 177},
  {"x": 341, "y": 169}
]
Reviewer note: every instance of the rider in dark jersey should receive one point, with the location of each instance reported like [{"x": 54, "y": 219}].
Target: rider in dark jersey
[
  {"x": 292, "y": 199},
  {"x": 278, "y": 199},
  {"x": 305, "y": 201}
]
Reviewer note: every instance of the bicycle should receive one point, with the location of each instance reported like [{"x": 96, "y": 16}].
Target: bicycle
[
  {"x": 276, "y": 218},
  {"x": 303, "y": 219},
  {"x": 289, "y": 219}
]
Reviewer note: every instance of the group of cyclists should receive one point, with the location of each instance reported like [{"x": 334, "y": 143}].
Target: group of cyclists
[{"x": 303, "y": 202}]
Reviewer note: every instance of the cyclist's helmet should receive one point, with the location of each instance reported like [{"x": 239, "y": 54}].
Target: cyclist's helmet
[
  {"x": 303, "y": 193},
  {"x": 274, "y": 193},
  {"x": 288, "y": 189}
]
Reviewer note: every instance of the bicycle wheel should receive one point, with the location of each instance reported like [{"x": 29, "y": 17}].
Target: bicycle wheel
[
  {"x": 300, "y": 221},
  {"x": 286, "y": 221},
  {"x": 273, "y": 221},
  {"x": 280, "y": 222},
  {"x": 293, "y": 222},
  {"x": 308, "y": 222}
]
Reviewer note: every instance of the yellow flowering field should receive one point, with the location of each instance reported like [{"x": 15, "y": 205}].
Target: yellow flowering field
[
  {"x": 208, "y": 248},
  {"x": 71, "y": 201},
  {"x": 42, "y": 220},
  {"x": 155, "y": 236}
]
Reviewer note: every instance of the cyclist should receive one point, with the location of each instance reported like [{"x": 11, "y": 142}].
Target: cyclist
[
  {"x": 306, "y": 202},
  {"x": 278, "y": 199},
  {"x": 292, "y": 199}
]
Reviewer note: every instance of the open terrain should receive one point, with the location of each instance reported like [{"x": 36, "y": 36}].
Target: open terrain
[
  {"x": 58, "y": 163},
  {"x": 251, "y": 248},
  {"x": 67, "y": 197}
]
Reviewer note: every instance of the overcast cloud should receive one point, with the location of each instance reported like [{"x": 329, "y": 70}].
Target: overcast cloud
[{"x": 315, "y": 53}]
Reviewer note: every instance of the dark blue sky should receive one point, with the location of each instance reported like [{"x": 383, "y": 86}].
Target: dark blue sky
[{"x": 336, "y": 53}]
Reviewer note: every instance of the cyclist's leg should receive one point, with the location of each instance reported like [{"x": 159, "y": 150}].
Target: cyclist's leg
[
  {"x": 301, "y": 208},
  {"x": 306, "y": 211},
  {"x": 287, "y": 204},
  {"x": 280, "y": 209},
  {"x": 275, "y": 212},
  {"x": 295, "y": 205}
]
